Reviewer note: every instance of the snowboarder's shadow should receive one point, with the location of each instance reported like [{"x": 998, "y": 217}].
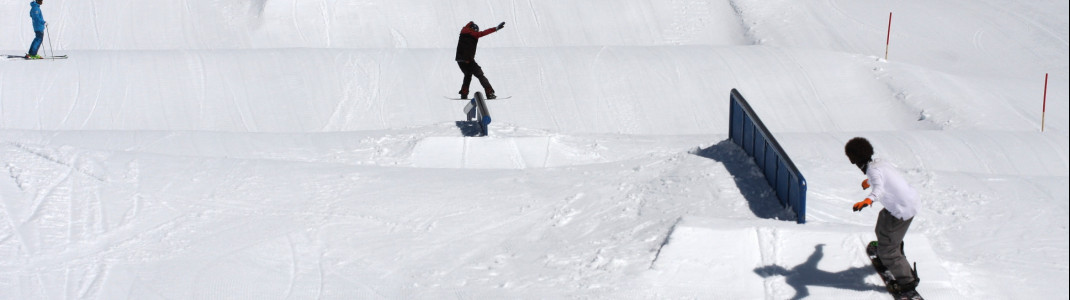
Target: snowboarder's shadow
[
  {"x": 807, "y": 274},
  {"x": 761, "y": 198},
  {"x": 469, "y": 128}
]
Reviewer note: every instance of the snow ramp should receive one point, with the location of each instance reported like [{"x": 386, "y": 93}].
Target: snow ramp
[
  {"x": 484, "y": 153},
  {"x": 773, "y": 260}
]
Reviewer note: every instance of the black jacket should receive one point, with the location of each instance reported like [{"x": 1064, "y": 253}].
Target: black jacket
[{"x": 468, "y": 41}]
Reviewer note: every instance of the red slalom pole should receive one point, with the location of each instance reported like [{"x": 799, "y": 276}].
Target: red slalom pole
[
  {"x": 1044, "y": 110},
  {"x": 889, "y": 38}
]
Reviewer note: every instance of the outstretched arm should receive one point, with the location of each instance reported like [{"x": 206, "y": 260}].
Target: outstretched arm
[
  {"x": 489, "y": 30},
  {"x": 480, "y": 34}
]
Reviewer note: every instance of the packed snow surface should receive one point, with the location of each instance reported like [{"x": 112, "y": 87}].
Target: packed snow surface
[{"x": 263, "y": 149}]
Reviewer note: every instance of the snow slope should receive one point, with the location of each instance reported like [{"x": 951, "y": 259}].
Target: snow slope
[{"x": 268, "y": 149}]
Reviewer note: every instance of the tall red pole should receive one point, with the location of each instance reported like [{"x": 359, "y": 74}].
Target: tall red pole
[
  {"x": 1044, "y": 109},
  {"x": 889, "y": 38}
]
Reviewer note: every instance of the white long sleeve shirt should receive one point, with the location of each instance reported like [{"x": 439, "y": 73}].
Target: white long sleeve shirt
[{"x": 890, "y": 189}]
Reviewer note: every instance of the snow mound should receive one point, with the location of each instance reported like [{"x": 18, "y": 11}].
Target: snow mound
[
  {"x": 498, "y": 153},
  {"x": 762, "y": 260}
]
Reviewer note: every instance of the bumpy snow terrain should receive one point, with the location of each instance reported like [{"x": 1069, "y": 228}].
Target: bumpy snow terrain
[{"x": 263, "y": 149}]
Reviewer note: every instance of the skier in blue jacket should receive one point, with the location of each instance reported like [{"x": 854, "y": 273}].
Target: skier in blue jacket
[{"x": 38, "y": 29}]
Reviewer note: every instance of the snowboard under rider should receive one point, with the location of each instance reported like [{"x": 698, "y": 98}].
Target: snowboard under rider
[
  {"x": 466, "y": 57},
  {"x": 900, "y": 203},
  {"x": 38, "y": 29}
]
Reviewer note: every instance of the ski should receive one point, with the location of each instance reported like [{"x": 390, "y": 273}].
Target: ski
[{"x": 42, "y": 58}]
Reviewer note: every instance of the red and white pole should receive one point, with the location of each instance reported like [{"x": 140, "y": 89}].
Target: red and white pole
[
  {"x": 1044, "y": 109},
  {"x": 889, "y": 38}
]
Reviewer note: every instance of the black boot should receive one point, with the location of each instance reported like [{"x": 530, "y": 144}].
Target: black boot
[
  {"x": 911, "y": 294},
  {"x": 903, "y": 288}
]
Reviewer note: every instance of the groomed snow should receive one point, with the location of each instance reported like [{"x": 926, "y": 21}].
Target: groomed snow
[{"x": 265, "y": 149}]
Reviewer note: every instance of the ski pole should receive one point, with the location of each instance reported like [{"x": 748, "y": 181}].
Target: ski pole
[{"x": 53, "y": 55}]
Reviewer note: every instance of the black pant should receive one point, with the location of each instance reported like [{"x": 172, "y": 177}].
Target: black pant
[{"x": 472, "y": 68}]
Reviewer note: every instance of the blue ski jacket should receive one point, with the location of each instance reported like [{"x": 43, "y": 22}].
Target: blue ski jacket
[{"x": 38, "y": 19}]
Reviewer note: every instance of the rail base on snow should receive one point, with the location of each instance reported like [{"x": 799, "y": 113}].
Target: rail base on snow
[{"x": 477, "y": 111}]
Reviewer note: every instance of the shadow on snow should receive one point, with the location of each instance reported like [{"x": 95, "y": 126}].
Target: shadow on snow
[
  {"x": 760, "y": 196},
  {"x": 469, "y": 128},
  {"x": 807, "y": 274}
]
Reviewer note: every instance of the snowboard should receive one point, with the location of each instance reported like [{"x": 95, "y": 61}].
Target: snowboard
[
  {"x": 886, "y": 275},
  {"x": 23, "y": 57},
  {"x": 499, "y": 98}
]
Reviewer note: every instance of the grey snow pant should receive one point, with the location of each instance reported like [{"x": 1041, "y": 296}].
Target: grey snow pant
[{"x": 890, "y": 231}]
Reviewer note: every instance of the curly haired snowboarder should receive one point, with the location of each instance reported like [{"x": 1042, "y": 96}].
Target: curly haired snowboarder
[
  {"x": 466, "y": 57},
  {"x": 900, "y": 202}
]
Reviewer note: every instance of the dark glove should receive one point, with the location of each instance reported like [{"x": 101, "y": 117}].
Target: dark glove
[
  {"x": 860, "y": 205},
  {"x": 500, "y": 26}
]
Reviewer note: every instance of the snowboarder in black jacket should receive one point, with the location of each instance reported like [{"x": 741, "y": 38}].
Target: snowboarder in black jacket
[{"x": 466, "y": 57}]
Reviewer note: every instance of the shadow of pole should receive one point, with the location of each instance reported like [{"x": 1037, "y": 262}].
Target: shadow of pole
[
  {"x": 807, "y": 274},
  {"x": 760, "y": 196}
]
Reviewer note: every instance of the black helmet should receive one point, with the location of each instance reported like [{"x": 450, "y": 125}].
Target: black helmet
[{"x": 473, "y": 26}]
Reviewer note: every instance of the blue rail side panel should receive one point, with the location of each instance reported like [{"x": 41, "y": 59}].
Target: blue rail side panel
[{"x": 747, "y": 130}]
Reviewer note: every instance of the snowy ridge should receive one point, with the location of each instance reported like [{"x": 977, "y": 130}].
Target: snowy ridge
[
  {"x": 267, "y": 24},
  {"x": 314, "y": 90}
]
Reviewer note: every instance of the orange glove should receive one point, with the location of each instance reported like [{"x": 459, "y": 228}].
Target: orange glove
[
  {"x": 860, "y": 205},
  {"x": 865, "y": 184}
]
